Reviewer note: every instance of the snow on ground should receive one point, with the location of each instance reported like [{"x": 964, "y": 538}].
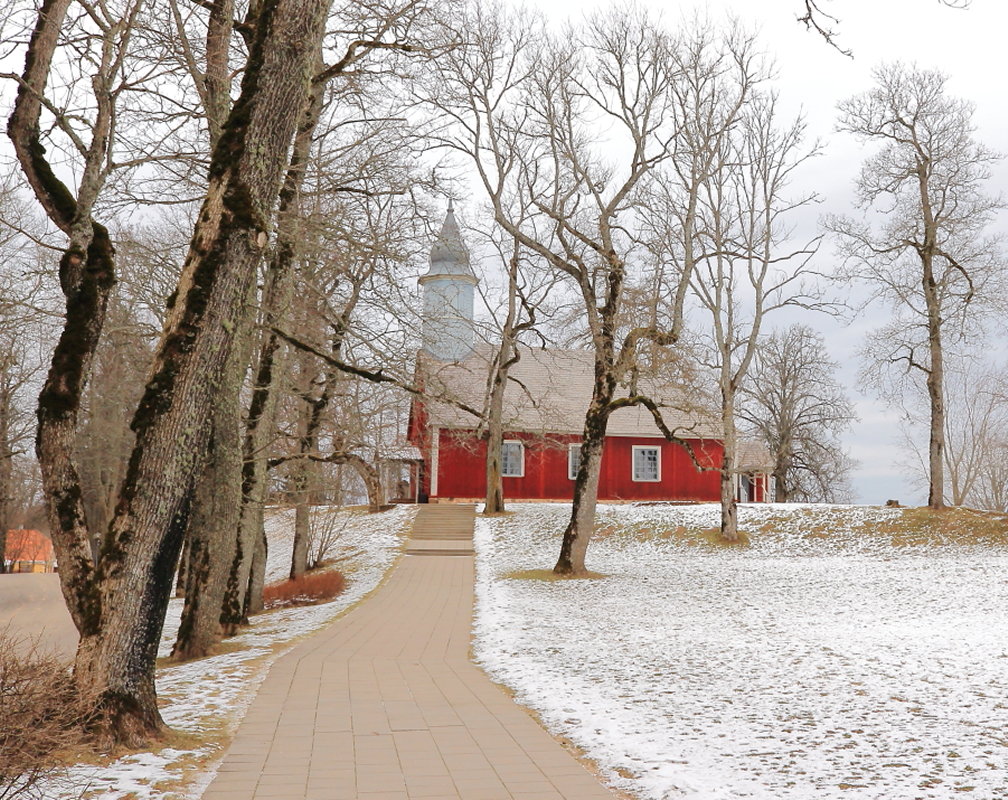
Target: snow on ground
[
  {"x": 822, "y": 661},
  {"x": 208, "y": 697}
]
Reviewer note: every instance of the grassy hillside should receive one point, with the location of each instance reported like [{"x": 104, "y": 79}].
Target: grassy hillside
[{"x": 899, "y": 527}]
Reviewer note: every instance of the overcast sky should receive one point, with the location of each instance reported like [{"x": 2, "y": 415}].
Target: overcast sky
[{"x": 968, "y": 45}]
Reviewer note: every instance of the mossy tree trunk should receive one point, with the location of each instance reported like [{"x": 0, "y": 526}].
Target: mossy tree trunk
[
  {"x": 118, "y": 604},
  {"x": 213, "y": 521},
  {"x": 270, "y": 364},
  {"x": 211, "y": 537}
]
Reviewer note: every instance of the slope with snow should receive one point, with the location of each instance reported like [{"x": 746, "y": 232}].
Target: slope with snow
[{"x": 821, "y": 661}]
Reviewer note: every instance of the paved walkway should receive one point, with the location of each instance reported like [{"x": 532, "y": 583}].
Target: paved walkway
[{"x": 385, "y": 704}]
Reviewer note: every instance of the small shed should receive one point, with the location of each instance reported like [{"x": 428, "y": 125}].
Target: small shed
[{"x": 29, "y": 551}]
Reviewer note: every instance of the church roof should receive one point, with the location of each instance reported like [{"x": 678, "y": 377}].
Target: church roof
[
  {"x": 549, "y": 391},
  {"x": 448, "y": 255}
]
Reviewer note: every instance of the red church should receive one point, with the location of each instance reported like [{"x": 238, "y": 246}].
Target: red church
[{"x": 545, "y": 401}]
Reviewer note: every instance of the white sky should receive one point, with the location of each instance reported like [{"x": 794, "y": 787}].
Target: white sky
[{"x": 967, "y": 45}]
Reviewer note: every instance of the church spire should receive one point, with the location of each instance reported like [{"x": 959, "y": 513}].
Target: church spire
[
  {"x": 449, "y": 256},
  {"x": 448, "y": 288}
]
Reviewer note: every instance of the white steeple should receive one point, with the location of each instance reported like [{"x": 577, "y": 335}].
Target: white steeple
[{"x": 448, "y": 290}]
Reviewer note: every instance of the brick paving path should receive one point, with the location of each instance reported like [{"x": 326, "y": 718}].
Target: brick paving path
[{"x": 385, "y": 704}]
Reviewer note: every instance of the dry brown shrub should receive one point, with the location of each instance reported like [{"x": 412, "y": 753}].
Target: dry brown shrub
[
  {"x": 42, "y": 717},
  {"x": 310, "y": 588}
]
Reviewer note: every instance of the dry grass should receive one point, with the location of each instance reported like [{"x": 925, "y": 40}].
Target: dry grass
[
  {"x": 310, "y": 589},
  {"x": 549, "y": 576},
  {"x": 700, "y": 537},
  {"x": 42, "y": 717},
  {"x": 949, "y": 526},
  {"x": 713, "y": 538},
  {"x": 911, "y": 527}
]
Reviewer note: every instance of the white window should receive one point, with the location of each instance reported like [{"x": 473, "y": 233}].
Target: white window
[
  {"x": 513, "y": 459},
  {"x": 647, "y": 464},
  {"x": 573, "y": 460}
]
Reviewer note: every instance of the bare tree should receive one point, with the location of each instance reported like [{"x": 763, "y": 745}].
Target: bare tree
[
  {"x": 976, "y": 430},
  {"x": 976, "y": 427},
  {"x": 118, "y": 602},
  {"x": 925, "y": 251},
  {"x": 794, "y": 403},
  {"x": 354, "y": 248},
  {"x": 815, "y": 18},
  {"x": 525, "y": 110},
  {"x": 749, "y": 269},
  {"x": 354, "y": 152},
  {"x": 514, "y": 320},
  {"x": 992, "y": 489}
]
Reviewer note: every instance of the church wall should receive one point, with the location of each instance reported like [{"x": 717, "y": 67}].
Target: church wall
[{"x": 462, "y": 469}]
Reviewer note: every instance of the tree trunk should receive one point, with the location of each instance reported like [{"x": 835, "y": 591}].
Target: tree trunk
[
  {"x": 582, "y": 522},
  {"x": 6, "y": 469},
  {"x": 183, "y": 569},
  {"x": 936, "y": 396},
  {"x": 303, "y": 474},
  {"x": 935, "y": 372},
  {"x": 234, "y": 612},
  {"x": 215, "y": 522},
  {"x": 211, "y": 533},
  {"x": 119, "y": 608},
  {"x": 302, "y": 510},
  {"x": 781, "y": 493},
  {"x": 257, "y": 575},
  {"x": 729, "y": 508},
  {"x": 495, "y": 439},
  {"x": 255, "y": 453},
  {"x": 507, "y": 355}
]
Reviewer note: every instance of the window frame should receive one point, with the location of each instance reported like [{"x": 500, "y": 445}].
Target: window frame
[
  {"x": 633, "y": 463},
  {"x": 573, "y": 447},
  {"x": 521, "y": 460}
]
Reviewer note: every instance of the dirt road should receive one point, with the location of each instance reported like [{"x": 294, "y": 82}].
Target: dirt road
[{"x": 32, "y": 605}]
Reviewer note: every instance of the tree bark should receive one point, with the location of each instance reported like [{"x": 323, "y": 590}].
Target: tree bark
[
  {"x": 781, "y": 493},
  {"x": 181, "y": 576},
  {"x": 494, "y": 501},
  {"x": 271, "y": 362},
  {"x": 507, "y": 356},
  {"x": 729, "y": 507},
  {"x": 582, "y": 522},
  {"x": 119, "y": 605},
  {"x": 212, "y": 526},
  {"x": 935, "y": 390},
  {"x": 302, "y": 509},
  {"x": 255, "y": 454},
  {"x": 257, "y": 574},
  {"x": 6, "y": 457},
  {"x": 213, "y": 522}
]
